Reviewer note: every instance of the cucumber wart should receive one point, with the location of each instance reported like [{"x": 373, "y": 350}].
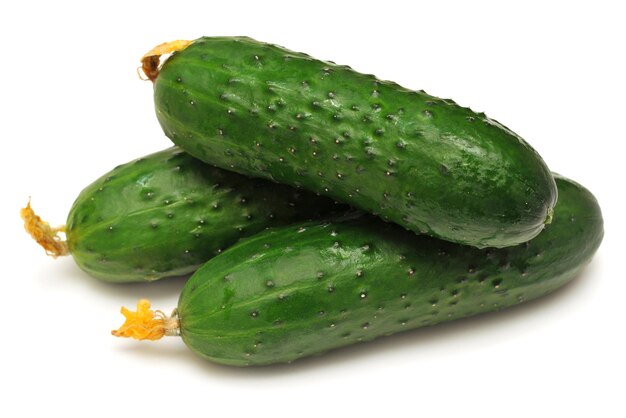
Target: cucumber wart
[
  {"x": 166, "y": 214},
  {"x": 302, "y": 290},
  {"x": 422, "y": 162}
]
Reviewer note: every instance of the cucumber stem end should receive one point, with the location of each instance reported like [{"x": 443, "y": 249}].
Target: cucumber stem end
[
  {"x": 45, "y": 235},
  {"x": 151, "y": 62},
  {"x": 146, "y": 324}
]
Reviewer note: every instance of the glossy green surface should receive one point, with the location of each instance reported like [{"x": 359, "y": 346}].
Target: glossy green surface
[
  {"x": 167, "y": 213},
  {"x": 302, "y": 290},
  {"x": 422, "y": 162}
]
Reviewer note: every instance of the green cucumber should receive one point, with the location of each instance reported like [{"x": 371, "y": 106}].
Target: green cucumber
[
  {"x": 422, "y": 162},
  {"x": 168, "y": 213},
  {"x": 302, "y": 290}
]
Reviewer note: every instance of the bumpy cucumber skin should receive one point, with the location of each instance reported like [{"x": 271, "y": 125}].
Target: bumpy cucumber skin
[
  {"x": 300, "y": 291},
  {"x": 167, "y": 213},
  {"x": 422, "y": 162}
]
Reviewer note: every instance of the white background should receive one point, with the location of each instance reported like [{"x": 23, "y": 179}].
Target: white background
[{"x": 72, "y": 108}]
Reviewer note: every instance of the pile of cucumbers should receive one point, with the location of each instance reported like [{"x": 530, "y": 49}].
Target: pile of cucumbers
[{"x": 318, "y": 207}]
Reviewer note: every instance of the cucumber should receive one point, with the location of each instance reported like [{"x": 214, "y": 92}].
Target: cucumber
[
  {"x": 422, "y": 162},
  {"x": 168, "y": 213},
  {"x": 302, "y": 290}
]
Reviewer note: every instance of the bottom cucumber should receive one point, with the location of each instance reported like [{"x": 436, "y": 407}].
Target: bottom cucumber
[{"x": 302, "y": 290}]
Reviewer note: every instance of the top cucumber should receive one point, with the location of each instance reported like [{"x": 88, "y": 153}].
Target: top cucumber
[{"x": 425, "y": 163}]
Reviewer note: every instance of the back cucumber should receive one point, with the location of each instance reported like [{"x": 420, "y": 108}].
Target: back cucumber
[
  {"x": 422, "y": 162},
  {"x": 167, "y": 213},
  {"x": 302, "y": 290}
]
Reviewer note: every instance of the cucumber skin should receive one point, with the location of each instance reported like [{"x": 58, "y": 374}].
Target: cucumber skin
[
  {"x": 302, "y": 290},
  {"x": 416, "y": 160},
  {"x": 167, "y": 213}
]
